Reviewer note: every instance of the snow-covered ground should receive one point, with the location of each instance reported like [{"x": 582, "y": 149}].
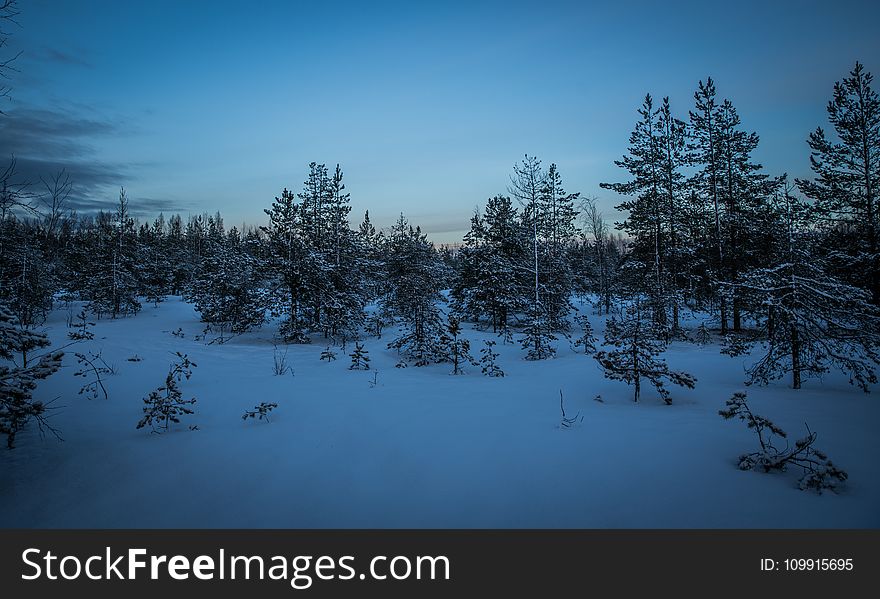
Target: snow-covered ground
[{"x": 422, "y": 448}]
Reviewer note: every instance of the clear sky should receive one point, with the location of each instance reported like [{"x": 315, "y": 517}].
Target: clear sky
[{"x": 205, "y": 106}]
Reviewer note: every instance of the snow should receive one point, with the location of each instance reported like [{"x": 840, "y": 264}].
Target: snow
[{"x": 422, "y": 448}]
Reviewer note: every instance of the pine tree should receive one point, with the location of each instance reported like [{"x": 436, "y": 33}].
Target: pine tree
[
  {"x": 155, "y": 269},
  {"x": 288, "y": 265},
  {"x": 360, "y": 359},
  {"x": 586, "y": 339},
  {"x": 488, "y": 359},
  {"x": 636, "y": 354},
  {"x": 489, "y": 282},
  {"x": 705, "y": 155},
  {"x": 538, "y": 335},
  {"x": 647, "y": 222},
  {"x": 18, "y": 382},
  {"x": 846, "y": 191},
  {"x": 743, "y": 190},
  {"x": 556, "y": 216},
  {"x": 110, "y": 283},
  {"x": 166, "y": 405},
  {"x": 458, "y": 347},
  {"x": 226, "y": 288},
  {"x": 812, "y": 321},
  {"x": 672, "y": 141},
  {"x": 526, "y": 184},
  {"x": 413, "y": 294}
]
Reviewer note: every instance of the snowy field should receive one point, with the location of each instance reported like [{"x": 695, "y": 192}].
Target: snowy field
[{"x": 421, "y": 448}]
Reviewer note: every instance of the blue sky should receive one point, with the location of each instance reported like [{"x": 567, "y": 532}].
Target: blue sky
[{"x": 205, "y": 106}]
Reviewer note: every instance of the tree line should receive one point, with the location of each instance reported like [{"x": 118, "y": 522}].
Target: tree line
[{"x": 792, "y": 268}]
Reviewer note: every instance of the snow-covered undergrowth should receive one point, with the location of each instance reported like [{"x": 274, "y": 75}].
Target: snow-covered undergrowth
[{"x": 418, "y": 447}]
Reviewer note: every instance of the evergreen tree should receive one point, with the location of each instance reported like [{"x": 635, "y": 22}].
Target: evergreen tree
[
  {"x": 647, "y": 221},
  {"x": 489, "y": 282},
  {"x": 288, "y": 265},
  {"x": 413, "y": 294},
  {"x": 488, "y": 363},
  {"x": 846, "y": 191},
  {"x": 586, "y": 339},
  {"x": 458, "y": 347},
  {"x": 360, "y": 358},
  {"x": 110, "y": 282},
  {"x": 18, "y": 381},
  {"x": 556, "y": 216},
  {"x": 155, "y": 269},
  {"x": 636, "y": 354},
  {"x": 227, "y": 288},
  {"x": 812, "y": 320},
  {"x": 166, "y": 405},
  {"x": 743, "y": 190},
  {"x": 538, "y": 335},
  {"x": 706, "y": 185}
]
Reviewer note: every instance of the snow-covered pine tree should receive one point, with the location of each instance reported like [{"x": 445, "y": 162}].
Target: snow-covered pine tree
[
  {"x": 17, "y": 382},
  {"x": 586, "y": 338},
  {"x": 226, "y": 287},
  {"x": 289, "y": 266},
  {"x": 27, "y": 276},
  {"x": 175, "y": 247},
  {"x": 648, "y": 220},
  {"x": 154, "y": 265},
  {"x": 488, "y": 358},
  {"x": 812, "y": 321},
  {"x": 636, "y": 353},
  {"x": 525, "y": 186},
  {"x": 166, "y": 405},
  {"x": 672, "y": 140},
  {"x": 345, "y": 295},
  {"x": 538, "y": 335},
  {"x": 705, "y": 186},
  {"x": 458, "y": 348},
  {"x": 819, "y": 472},
  {"x": 110, "y": 283},
  {"x": 371, "y": 243},
  {"x": 556, "y": 215},
  {"x": 360, "y": 358},
  {"x": 413, "y": 294},
  {"x": 702, "y": 335},
  {"x": 490, "y": 282},
  {"x": 743, "y": 191},
  {"x": 846, "y": 191}
]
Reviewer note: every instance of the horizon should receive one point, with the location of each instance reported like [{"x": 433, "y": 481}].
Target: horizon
[{"x": 194, "y": 110}]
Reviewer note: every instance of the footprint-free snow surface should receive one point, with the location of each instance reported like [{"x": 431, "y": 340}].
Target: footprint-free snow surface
[{"x": 421, "y": 447}]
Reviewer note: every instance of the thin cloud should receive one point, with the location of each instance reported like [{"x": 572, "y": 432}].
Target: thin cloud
[
  {"x": 66, "y": 58},
  {"x": 46, "y": 141}
]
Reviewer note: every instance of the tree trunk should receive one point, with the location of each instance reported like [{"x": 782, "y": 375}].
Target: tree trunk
[{"x": 795, "y": 359}]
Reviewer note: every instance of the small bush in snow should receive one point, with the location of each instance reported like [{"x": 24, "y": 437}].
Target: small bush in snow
[
  {"x": 360, "y": 359},
  {"x": 280, "y": 365},
  {"x": 702, "y": 335},
  {"x": 81, "y": 328},
  {"x": 166, "y": 404},
  {"x": 93, "y": 366},
  {"x": 586, "y": 340},
  {"x": 260, "y": 412},
  {"x": 487, "y": 360},
  {"x": 818, "y": 471},
  {"x": 328, "y": 354}
]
